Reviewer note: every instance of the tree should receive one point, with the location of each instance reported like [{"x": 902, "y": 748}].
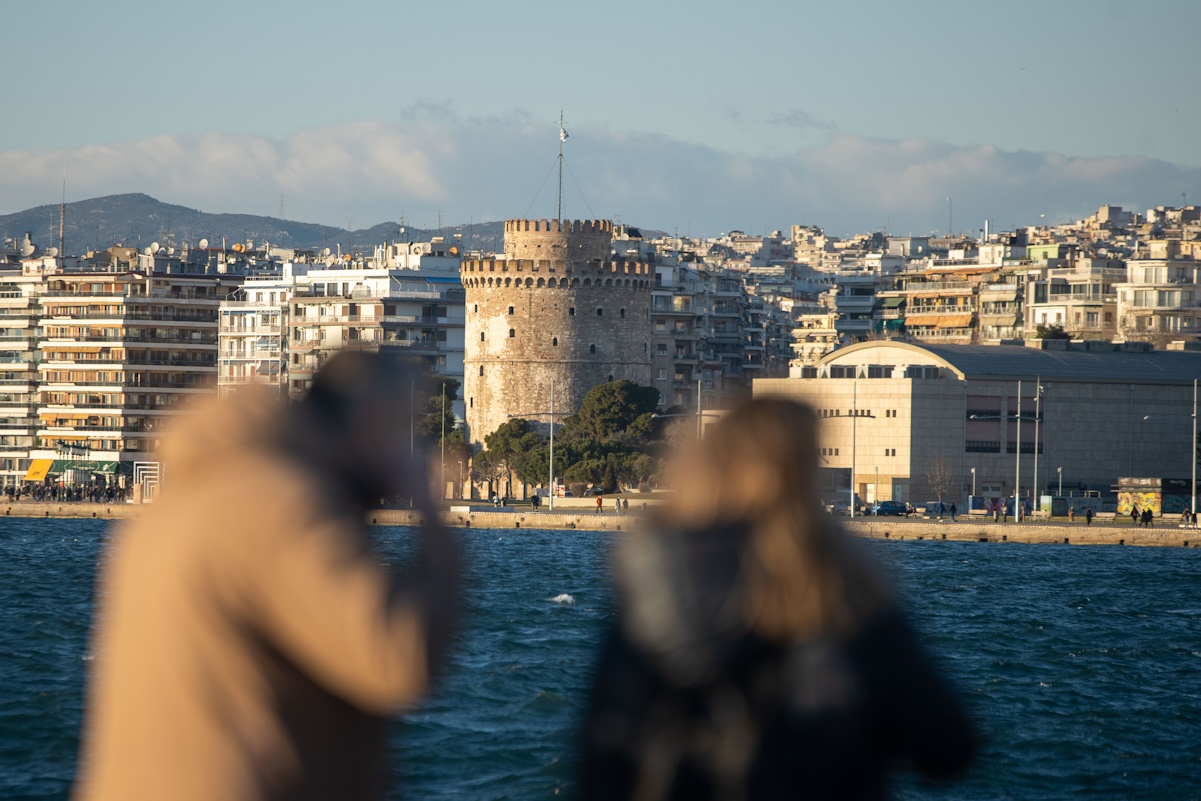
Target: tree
[
  {"x": 430, "y": 415},
  {"x": 609, "y": 478},
  {"x": 940, "y": 479},
  {"x": 1052, "y": 331},
  {"x": 511, "y": 444},
  {"x": 611, "y": 408}
]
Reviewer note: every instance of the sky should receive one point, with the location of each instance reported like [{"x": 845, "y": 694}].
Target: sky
[{"x": 692, "y": 116}]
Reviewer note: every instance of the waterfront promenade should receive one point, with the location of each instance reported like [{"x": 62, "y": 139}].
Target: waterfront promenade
[{"x": 965, "y": 530}]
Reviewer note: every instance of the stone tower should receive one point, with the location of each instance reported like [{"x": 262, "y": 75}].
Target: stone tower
[{"x": 555, "y": 309}]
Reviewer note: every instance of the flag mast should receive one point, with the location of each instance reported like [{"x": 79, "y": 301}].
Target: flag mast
[{"x": 562, "y": 139}]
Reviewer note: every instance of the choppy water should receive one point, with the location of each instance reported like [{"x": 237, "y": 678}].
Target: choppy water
[{"x": 1082, "y": 664}]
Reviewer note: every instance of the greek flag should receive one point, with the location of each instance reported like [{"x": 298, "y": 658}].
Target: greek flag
[{"x": 562, "y": 134}]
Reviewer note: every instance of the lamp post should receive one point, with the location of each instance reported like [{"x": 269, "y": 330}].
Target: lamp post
[
  {"x": 855, "y": 434},
  {"x": 1017, "y": 470},
  {"x": 1038, "y": 396},
  {"x": 973, "y": 483},
  {"x": 442, "y": 488},
  {"x": 1193, "y": 452},
  {"x": 1060, "y": 471},
  {"x": 460, "y": 478},
  {"x": 551, "y": 414}
]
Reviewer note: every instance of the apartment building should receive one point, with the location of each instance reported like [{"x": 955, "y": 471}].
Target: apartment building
[
  {"x": 120, "y": 355},
  {"x": 416, "y": 313},
  {"x": 19, "y": 320},
  {"x": 1160, "y": 300},
  {"x": 1080, "y": 297}
]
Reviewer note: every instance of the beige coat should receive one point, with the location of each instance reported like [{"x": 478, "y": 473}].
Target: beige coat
[{"x": 248, "y": 644}]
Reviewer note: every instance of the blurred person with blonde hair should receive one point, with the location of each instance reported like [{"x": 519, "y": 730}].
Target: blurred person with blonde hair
[
  {"x": 757, "y": 653},
  {"x": 250, "y": 644}
]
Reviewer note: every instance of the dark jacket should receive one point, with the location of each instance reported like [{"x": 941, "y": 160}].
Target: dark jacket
[{"x": 706, "y": 710}]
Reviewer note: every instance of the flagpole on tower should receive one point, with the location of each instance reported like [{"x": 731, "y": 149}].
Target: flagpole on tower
[{"x": 562, "y": 139}]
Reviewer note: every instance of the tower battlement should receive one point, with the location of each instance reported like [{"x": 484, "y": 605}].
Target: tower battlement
[
  {"x": 559, "y": 240},
  {"x": 560, "y": 226}
]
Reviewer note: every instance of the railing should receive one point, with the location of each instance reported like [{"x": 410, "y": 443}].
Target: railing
[{"x": 982, "y": 446}]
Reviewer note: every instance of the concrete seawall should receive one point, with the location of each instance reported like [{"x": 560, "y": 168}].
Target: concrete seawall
[{"x": 1164, "y": 535}]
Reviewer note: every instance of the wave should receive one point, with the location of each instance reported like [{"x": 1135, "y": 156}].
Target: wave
[{"x": 562, "y": 599}]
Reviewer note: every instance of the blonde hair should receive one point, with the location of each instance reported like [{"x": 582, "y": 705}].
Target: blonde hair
[{"x": 756, "y": 469}]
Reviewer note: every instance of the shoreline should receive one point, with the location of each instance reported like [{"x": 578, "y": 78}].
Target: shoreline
[{"x": 889, "y": 528}]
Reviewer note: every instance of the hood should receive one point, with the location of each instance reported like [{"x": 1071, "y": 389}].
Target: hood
[{"x": 681, "y": 600}]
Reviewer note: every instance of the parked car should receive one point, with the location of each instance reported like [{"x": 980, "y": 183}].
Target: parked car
[
  {"x": 838, "y": 508},
  {"x": 891, "y": 508}
]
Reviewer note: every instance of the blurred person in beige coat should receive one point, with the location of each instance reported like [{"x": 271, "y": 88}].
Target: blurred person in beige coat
[{"x": 249, "y": 642}]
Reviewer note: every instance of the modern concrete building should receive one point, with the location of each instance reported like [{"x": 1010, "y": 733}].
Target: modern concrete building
[{"x": 909, "y": 419}]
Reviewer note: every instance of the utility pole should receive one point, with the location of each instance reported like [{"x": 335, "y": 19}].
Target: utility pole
[
  {"x": 699, "y": 415},
  {"x": 1193, "y": 508}
]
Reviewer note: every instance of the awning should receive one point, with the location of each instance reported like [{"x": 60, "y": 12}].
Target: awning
[
  {"x": 954, "y": 321},
  {"x": 38, "y": 469},
  {"x": 922, "y": 319},
  {"x": 892, "y": 303}
]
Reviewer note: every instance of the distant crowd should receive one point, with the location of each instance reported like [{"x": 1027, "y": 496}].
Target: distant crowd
[{"x": 57, "y": 494}]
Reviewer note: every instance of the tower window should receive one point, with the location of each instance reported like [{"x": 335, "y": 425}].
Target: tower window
[
  {"x": 554, "y": 342},
  {"x": 610, "y": 379},
  {"x": 481, "y": 336},
  {"x": 600, "y": 312},
  {"x": 571, "y": 312},
  {"x": 512, "y": 333},
  {"x": 481, "y": 371},
  {"x": 476, "y": 309},
  {"x": 510, "y": 310},
  {"x": 471, "y": 403},
  {"x": 592, "y": 348}
]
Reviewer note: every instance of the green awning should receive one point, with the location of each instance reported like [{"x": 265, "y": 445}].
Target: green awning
[
  {"x": 97, "y": 468},
  {"x": 892, "y": 303},
  {"x": 894, "y": 325}
]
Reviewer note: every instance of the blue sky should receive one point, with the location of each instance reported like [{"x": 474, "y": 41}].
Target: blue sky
[{"x": 702, "y": 115}]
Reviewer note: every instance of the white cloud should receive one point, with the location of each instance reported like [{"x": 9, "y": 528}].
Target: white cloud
[{"x": 433, "y": 160}]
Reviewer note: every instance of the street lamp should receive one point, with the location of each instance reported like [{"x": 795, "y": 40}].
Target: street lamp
[
  {"x": 973, "y": 482},
  {"x": 460, "y": 477},
  {"x": 551, "y": 413},
  {"x": 1060, "y": 471},
  {"x": 1017, "y": 471},
  {"x": 1038, "y": 396}
]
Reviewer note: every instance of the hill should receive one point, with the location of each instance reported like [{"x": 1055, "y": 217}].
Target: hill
[{"x": 138, "y": 219}]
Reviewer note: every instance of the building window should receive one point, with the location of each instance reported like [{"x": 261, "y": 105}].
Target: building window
[
  {"x": 554, "y": 342},
  {"x": 600, "y": 312},
  {"x": 512, "y": 333},
  {"x": 481, "y": 371},
  {"x": 610, "y": 378},
  {"x": 471, "y": 403},
  {"x": 510, "y": 310},
  {"x": 481, "y": 336},
  {"x": 623, "y": 314},
  {"x": 836, "y": 451},
  {"x": 571, "y": 312},
  {"x": 592, "y": 348},
  {"x": 662, "y": 374},
  {"x": 476, "y": 309}
]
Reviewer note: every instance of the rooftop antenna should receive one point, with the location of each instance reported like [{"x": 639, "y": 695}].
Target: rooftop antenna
[
  {"x": 562, "y": 139},
  {"x": 62, "y": 216}
]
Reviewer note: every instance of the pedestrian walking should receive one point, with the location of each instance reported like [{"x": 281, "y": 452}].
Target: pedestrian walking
[
  {"x": 1005, "y": 512},
  {"x": 1088, "y": 516},
  {"x": 954, "y": 509},
  {"x": 941, "y": 510},
  {"x": 625, "y": 505},
  {"x": 1134, "y": 515},
  {"x": 598, "y": 504},
  {"x": 1071, "y": 514}
]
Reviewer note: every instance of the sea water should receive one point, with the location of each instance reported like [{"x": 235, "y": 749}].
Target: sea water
[{"x": 1081, "y": 664}]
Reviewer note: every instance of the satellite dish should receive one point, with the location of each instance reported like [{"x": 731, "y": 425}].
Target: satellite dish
[
  {"x": 154, "y": 247},
  {"x": 148, "y": 251},
  {"x": 325, "y": 252},
  {"x": 52, "y": 252},
  {"x": 204, "y": 243}
]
